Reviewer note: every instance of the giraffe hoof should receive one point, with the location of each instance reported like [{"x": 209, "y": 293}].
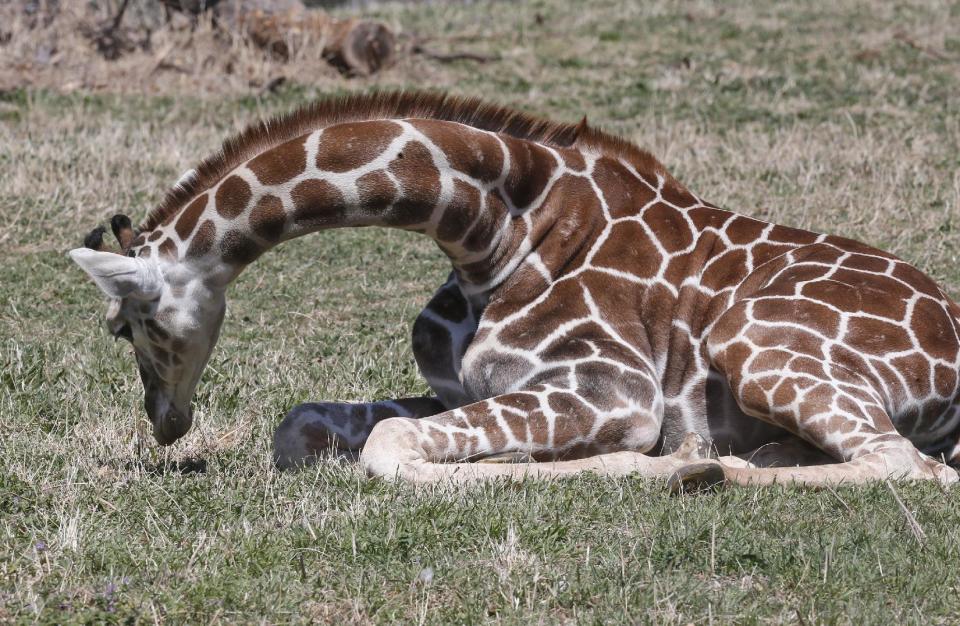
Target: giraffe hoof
[
  {"x": 696, "y": 478},
  {"x": 693, "y": 448}
]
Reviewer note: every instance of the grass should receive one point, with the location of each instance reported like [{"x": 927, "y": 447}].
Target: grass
[{"x": 835, "y": 117}]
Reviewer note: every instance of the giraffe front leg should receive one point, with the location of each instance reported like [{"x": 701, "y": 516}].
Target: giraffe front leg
[
  {"x": 440, "y": 335},
  {"x": 547, "y": 424},
  {"x": 312, "y": 428}
]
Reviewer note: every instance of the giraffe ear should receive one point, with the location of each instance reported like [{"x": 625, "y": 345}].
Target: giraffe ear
[{"x": 120, "y": 276}]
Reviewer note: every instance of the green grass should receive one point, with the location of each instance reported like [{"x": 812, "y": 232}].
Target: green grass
[{"x": 809, "y": 114}]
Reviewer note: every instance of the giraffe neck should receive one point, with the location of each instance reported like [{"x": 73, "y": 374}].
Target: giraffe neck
[{"x": 472, "y": 191}]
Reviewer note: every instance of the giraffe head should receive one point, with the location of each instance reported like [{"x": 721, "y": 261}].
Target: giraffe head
[{"x": 171, "y": 314}]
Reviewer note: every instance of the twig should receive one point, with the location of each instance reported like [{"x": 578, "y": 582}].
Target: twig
[
  {"x": 119, "y": 16},
  {"x": 449, "y": 57},
  {"x": 169, "y": 65},
  {"x": 273, "y": 84},
  {"x": 910, "y": 41},
  {"x": 912, "y": 522},
  {"x": 161, "y": 56},
  {"x": 837, "y": 496}
]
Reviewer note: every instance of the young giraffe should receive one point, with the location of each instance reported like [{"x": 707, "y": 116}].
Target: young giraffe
[{"x": 599, "y": 315}]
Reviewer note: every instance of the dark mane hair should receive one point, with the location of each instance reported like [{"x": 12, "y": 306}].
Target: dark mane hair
[{"x": 387, "y": 105}]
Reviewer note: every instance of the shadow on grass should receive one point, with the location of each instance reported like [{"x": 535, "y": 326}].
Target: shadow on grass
[{"x": 191, "y": 465}]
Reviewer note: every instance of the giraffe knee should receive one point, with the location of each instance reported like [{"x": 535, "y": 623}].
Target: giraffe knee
[
  {"x": 645, "y": 433},
  {"x": 392, "y": 449}
]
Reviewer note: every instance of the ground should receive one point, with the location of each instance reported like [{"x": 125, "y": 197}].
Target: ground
[{"x": 841, "y": 117}]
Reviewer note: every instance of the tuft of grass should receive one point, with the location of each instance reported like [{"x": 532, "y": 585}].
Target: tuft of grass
[{"x": 821, "y": 117}]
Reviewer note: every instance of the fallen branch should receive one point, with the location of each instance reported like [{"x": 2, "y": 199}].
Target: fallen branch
[{"x": 449, "y": 57}]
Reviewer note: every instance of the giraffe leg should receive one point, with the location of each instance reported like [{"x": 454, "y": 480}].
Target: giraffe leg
[
  {"x": 441, "y": 447},
  {"x": 312, "y": 428},
  {"x": 440, "y": 335},
  {"x": 781, "y": 373},
  {"x": 890, "y": 463},
  {"x": 400, "y": 448}
]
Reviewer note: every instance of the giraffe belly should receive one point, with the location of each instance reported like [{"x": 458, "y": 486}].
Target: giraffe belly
[{"x": 714, "y": 414}]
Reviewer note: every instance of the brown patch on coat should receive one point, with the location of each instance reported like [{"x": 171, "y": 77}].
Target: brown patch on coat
[
  {"x": 945, "y": 381},
  {"x": 623, "y": 192},
  {"x": 573, "y": 160},
  {"x": 376, "y": 190},
  {"x": 709, "y": 218},
  {"x": 876, "y": 337},
  {"x": 744, "y": 230},
  {"x": 726, "y": 270},
  {"x": 202, "y": 241},
  {"x": 168, "y": 249},
  {"x": 669, "y": 226},
  {"x": 531, "y": 166},
  {"x": 460, "y": 213},
  {"x": 935, "y": 330},
  {"x": 238, "y": 249},
  {"x": 567, "y": 349},
  {"x": 189, "y": 216},
  {"x": 867, "y": 263},
  {"x": 795, "y": 236},
  {"x": 476, "y": 154},
  {"x": 346, "y": 147},
  {"x": 677, "y": 195},
  {"x": 317, "y": 203},
  {"x": 232, "y": 197},
  {"x": 268, "y": 218},
  {"x": 419, "y": 181},
  {"x": 628, "y": 248},
  {"x": 916, "y": 371},
  {"x": 278, "y": 165},
  {"x": 807, "y": 313}
]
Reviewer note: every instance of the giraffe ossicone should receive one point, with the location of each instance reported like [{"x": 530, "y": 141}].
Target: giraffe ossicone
[{"x": 599, "y": 316}]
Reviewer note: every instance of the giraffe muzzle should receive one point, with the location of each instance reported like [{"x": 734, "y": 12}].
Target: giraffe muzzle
[{"x": 171, "y": 425}]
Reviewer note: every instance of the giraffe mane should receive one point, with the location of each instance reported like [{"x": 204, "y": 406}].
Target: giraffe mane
[{"x": 473, "y": 112}]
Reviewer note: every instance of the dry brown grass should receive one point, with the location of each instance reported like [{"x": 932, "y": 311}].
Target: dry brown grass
[{"x": 56, "y": 51}]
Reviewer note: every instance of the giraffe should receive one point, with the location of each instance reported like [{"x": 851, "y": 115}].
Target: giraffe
[{"x": 598, "y": 315}]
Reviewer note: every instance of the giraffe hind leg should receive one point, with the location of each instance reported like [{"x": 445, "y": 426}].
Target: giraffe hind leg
[
  {"x": 891, "y": 464},
  {"x": 776, "y": 375}
]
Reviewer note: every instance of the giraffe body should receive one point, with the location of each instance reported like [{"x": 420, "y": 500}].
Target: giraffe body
[{"x": 599, "y": 315}]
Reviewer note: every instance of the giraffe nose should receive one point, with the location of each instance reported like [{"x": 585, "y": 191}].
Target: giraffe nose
[
  {"x": 169, "y": 422},
  {"x": 172, "y": 425}
]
